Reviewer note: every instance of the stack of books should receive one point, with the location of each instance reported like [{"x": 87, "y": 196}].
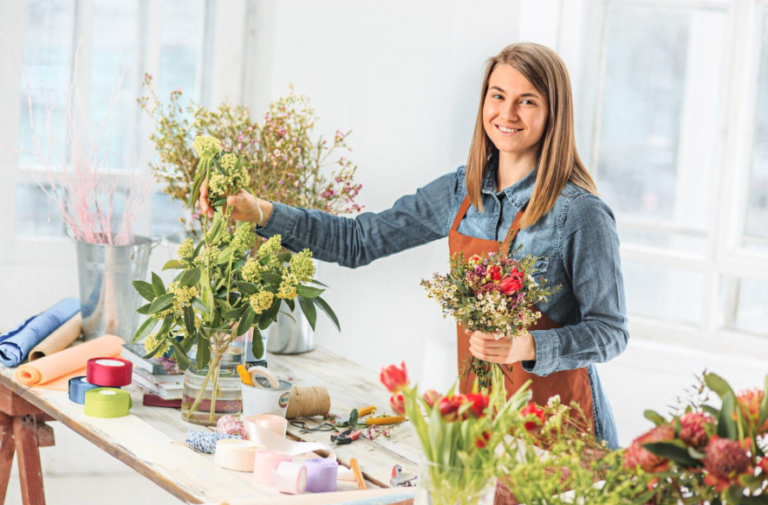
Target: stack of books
[{"x": 160, "y": 377}]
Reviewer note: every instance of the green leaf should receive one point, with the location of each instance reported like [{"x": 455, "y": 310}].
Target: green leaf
[
  {"x": 315, "y": 281},
  {"x": 181, "y": 357},
  {"x": 154, "y": 351},
  {"x": 246, "y": 321},
  {"x": 144, "y": 309},
  {"x": 289, "y": 315},
  {"x": 145, "y": 329},
  {"x": 309, "y": 292},
  {"x": 161, "y": 303},
  {"x": 246, "y": 288},
  {"x": 257, "y": 346},
  {"x": 328, "y": 311},
  {"x": 157, "y": 285},
  {"x": 189, "y": 320},
  {"x": 199, "y": 305},
  {"x": 726, "y": 426},
  {"x": 674, "y": 452},
  {"x": 308, "y": 307},
  {"x": 166, "y": 327},
  {"x": 190, "y": 277},
  {"x": 764, "y": 404},
  {"x": 353, "y": 417},
  {"x": 224, "y": 256},
  {"x": 206, "y": 294},
  {"x": 235, "y": 313},
  {"x": 269, "y": 316},
  {"x": 145, "y": 289},
  {"x": 712, "y": 411},
  {"x": 291, "y": 304},
  {"x": 272, "y": 278},
  {"x": 174, "y": 264},
  {"x": 284, "y": 257},
  {"x": 655, "y": 417},
  {"x": 194, "y": 195},
  {"x": 718, "y": 385},
  {"x": 203, "y": 351}
]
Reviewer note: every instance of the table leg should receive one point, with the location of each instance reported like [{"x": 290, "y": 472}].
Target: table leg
[
  {"x": 7, "y": 449},
  {"x": 30, "y": 471}
]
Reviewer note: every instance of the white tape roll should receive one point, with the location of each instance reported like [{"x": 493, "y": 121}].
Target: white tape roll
[
  {"x": 267, "y": 374},
  {"x": 235, "y": 454}
]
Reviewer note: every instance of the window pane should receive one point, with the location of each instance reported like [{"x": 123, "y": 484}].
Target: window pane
[
  {"x": 48, "y": 35},
  {"x": 115, "y": 32},
  {"x": 655, "y": 291},
  {"x": 756, "y": 226},
  {"x": 166, "y": 214},
  {"x": 181, "y": 47},
  {"x": 654, "y": 157},
  {"x": 36, "y": 214},
  {"x": 745, "y": 305}
]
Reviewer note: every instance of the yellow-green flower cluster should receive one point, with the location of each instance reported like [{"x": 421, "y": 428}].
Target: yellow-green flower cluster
[
  {"x": 251, "y": 270},
  {"x": 287, "y": 289},
  {"x": 231, "y": 177},
  {"x": 244, "y": 238},
  {"x": 301, "y": 265},
  {"x": 206, "y": 146},
  {"x": 271, "y": 246},
  {"x": 186, "y": 250},
  {"x": 151, "y": 343},
  {"x": 261, "y": 301},
  {"x": 182, "y": 296},
  {"x": 211, "y": 252}
]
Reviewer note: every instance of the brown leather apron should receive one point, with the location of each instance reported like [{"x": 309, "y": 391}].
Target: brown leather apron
[{"x": 571, "y": 385}]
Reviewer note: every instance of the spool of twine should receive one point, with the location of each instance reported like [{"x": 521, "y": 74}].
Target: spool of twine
[{"x": 308, "y": 402}]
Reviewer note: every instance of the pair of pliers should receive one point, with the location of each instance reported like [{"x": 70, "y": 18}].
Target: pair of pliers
[{"x": 346, "y": 437}]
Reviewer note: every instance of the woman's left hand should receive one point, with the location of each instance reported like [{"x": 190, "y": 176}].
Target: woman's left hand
[{"x": 503, "y": 351}]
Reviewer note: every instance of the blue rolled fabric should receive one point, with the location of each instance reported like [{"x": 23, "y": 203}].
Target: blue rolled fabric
[{"x": 16, "y": 344}]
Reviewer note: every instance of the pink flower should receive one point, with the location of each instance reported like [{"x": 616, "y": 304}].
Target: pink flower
[
  {"x": 637, "y": 455},
  {"x": 692, "y": 431},
  {"x": 393, "y": 378}
]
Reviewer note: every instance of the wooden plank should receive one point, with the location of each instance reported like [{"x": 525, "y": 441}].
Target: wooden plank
[
  {"x": 7, "y": 450},
  {"x": 30, "y": 471},
  {"x": 45, "y": 436},
  {"x": 14, "y": 405}
]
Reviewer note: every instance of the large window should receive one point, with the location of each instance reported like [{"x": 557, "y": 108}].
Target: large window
[{"x": 680, "y": 152}]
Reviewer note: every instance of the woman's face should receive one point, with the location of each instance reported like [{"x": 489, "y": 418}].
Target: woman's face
[{"x": 514, "y": 113}]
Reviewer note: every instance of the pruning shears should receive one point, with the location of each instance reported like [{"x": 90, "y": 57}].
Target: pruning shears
[{"x": 346, "y": 437}]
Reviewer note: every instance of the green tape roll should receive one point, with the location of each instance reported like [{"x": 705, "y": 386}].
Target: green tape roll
[{"x": 107, "y": 402}]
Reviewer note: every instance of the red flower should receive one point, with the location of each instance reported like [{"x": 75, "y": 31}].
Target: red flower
[
  {"x": 394, "y": 378},
  {"x": 432, "y": 396},
  {"x": 398, "y": 403},
  {"x": 494, "y": 273},
  {"x": 726, "y": 460},
  {"x": 637, "y": 455},
  {"x": 749, "y": 401},
  {"x": 692, "y": 431},
  {"x": 532, "y": 410},
  {"x": 512, "y": 282},
  {"x": 483, "y": 440},
  {"x": 479, "y": 404},
  {"x": 449, "y": 407}
]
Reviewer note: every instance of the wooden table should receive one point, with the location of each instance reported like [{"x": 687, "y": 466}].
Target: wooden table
[{"x": 151, "y": 440}]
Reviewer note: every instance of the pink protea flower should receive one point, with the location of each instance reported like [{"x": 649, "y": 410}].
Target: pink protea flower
[
  {"x": 692, "y": 431},
  {"x": 726, "y": 460},
  {"x": 638, "y": 456}
]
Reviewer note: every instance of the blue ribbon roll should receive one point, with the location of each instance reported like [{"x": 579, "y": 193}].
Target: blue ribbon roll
[{"x": 77, "y": 388}]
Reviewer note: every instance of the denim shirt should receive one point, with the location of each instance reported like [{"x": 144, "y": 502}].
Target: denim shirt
[{"x": 576, "y": 241}]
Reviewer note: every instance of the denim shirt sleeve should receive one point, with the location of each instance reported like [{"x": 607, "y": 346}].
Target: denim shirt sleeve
[
  {"x": 590, "y": 254},
  {"x": 353, "y": 242}
]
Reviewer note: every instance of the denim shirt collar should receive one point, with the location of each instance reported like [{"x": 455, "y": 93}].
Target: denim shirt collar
[{"x": 518, "y": 194}]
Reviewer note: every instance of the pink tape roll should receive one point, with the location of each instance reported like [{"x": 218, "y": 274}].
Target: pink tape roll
[
  {"x": 290, "y": 478},
  {"x": 265, "y": 463}
]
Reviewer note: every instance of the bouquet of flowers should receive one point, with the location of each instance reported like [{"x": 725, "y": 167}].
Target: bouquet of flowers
[
  {"x": 496, "y": 295},
  {"x": 705, "y": 455},
  {"x": 223, "y": 290},
  {"x": 459, "y": 435}
]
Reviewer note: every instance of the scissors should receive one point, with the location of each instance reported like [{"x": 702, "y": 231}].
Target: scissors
[{"x": 326, "y": 426}]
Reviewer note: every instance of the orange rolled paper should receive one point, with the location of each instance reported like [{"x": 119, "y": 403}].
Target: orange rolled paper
[{"x": 54, "y": 371}]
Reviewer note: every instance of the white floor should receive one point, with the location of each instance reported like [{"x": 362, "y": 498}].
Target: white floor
[{"x": 647, "y": 376}]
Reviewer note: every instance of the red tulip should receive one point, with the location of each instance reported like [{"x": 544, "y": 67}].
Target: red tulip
[
  {"x": 449, "y": 407},
  {"x": 479, "y": 404},
  {"x": 494, "y": 273},
  {"x": 431, "y": 397},
  {"x": 532, "y": 410},
  {"x": 483, "y": 440},
  {"x": 394, "y": 378},
  {"x": 398, "y": 403},
  {"x": 512, "y": 282}
]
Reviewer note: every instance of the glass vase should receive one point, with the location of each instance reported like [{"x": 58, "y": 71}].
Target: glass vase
[
  {"x": 440, "y": 484},
  {"x": 214, "y": 390}
]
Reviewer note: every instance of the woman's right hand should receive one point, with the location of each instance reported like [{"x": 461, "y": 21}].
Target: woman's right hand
[{"x": 245, "y": 207}]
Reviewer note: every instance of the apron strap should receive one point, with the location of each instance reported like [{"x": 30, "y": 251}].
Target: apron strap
[
  {"x": 461, "y": 213},
  {"x": 514, "y": 229}
]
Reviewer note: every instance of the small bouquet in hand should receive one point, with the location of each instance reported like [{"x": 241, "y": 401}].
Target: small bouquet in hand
[{"x": 492, "y": 295}]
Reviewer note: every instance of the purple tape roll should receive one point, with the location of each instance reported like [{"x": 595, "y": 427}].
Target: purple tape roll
[{"x": 321, "y": 475}]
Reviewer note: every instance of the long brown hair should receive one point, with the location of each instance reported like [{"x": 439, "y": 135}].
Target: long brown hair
[{"x": 559, "y": 162}]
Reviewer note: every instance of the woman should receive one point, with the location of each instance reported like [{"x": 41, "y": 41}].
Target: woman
[{"x": 524, "y": 184}]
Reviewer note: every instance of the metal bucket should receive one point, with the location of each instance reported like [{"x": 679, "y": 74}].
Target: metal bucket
[
  {"x": 107, "y": 297},
  {"x": 290, "y": 336}
]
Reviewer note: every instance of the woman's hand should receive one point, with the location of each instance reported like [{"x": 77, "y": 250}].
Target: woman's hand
[
  {"x": 244, "y": 206},
  {"x": 503, "y": 351}
]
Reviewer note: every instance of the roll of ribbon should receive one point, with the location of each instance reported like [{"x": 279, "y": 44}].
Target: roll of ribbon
[
  {"x": 290, "y": 478},
  {"x": 265, "y": 463},
  {"x": 321, "y": 475},
  {"x": 263, "y": 436},
  {"x": 231, "y": 426},
  {"x": 276, "y": 424},
  {"x": 205, "y": 441},
  {"x": 107, "y": 402},
  {"x": 109, "y": 372},
  {"x": 77, "y": 388},
  {"x": 238, "y": 455}
]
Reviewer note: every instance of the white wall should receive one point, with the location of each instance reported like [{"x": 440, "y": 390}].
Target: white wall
[{"x": 405, "y": 76}]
